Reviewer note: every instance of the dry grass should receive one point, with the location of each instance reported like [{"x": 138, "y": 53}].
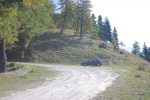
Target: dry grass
[
  {"x": 24, "y": 78},
  {"x": 69, "y": 49},
  {"x": 50, "y": 47},
  {"x": 131, "y": 85}
]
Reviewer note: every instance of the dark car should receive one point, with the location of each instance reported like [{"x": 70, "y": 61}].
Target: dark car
[{"x": 95, "y": 62}]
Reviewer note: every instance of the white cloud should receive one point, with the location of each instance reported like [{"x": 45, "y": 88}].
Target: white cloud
[{"x": 131, "y": 18}]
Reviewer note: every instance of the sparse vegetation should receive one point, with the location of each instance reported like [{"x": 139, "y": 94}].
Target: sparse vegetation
[
  {"x": 13, "y": 67},
  {"x": 133, "y": 84},
  {"x": 24, "y": 78}
]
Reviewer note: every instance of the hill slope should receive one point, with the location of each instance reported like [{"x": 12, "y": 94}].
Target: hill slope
[
  {"x": 69, "y": 49},
  {"x": 132, "y": 84}
]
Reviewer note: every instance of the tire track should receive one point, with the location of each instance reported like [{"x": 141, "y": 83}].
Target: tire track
[{"x": 75, "y": 83}]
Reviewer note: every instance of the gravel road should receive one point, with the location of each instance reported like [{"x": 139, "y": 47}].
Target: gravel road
[{"x": 75, "y": 83}]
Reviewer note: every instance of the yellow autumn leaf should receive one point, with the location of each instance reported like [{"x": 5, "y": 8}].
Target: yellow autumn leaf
[{"x": 30, "y": 3}]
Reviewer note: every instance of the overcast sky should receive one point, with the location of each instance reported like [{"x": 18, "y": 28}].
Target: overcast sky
[{"x": 130, "y": 17}]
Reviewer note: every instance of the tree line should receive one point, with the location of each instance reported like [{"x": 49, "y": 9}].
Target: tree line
[
  {"x": 22, "y": 20},
  {"x": 144, "y": 53}
]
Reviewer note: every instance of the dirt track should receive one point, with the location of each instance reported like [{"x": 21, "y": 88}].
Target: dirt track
[{"x": 75, "y": 83}]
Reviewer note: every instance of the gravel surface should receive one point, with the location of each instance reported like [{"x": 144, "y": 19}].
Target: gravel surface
[{"x": 75, "y": 83}]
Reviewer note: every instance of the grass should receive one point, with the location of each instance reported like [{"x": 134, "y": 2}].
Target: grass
[
  {"x": 69, "y": 49},
  {"x": 11, "y": 82},
  {"x": 131, "y": 85}
]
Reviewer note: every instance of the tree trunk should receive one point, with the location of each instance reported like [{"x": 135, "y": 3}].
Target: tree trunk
[
  {"x": 64, "y": 20},
  {"x": 22, "y": 54},
  {"x": 3, "y": 58},
  {"x": 81, "y": 26},
  {"x": 77, "y": 27}
]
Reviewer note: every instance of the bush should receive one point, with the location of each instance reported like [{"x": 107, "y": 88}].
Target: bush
[
  {"x": 10, "y": 65},
  {"x": 121, "y": 52},
  {"x": 103, "y": 45},
  {"x": 143, "y": 67},
  {"x": 13, "y": 67}
]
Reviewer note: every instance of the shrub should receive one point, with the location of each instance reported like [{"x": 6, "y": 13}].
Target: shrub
[
  {"x": 143, "y": 67},
  {"x": 121, "y": 52},
  {"x": 13, "y": 67},
  {"x": 103, "y": 45},
  {"x": 137, "y": 75}
]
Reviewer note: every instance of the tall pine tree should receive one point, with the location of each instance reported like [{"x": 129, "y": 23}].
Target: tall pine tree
[
  {"x": 101, "y": 28},
  {"x": 115, "y": 40},
  {"x": 85, "y": 14},
  {"x": 107, "y": 30},
  {"x": 145, "y": 52},
  {"x": 94, "y": 27},
  {"x": 136, "y": 48}
]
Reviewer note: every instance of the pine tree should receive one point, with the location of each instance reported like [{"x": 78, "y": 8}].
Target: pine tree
[
  {"x": 107, "y": 30},
  {"x": 94, "y": 27},
  {"x": 136, "y": 48},
  {"x": 100, "y": 27},
  {"x": 148, "y": 57},
  {"x": 145, "y": 52},
  {"x": 115, "y": 40},
  {"x": 64, "y": 4},
  {"x": 68, "y": 11},
  {"x": 85, "y": 13}
]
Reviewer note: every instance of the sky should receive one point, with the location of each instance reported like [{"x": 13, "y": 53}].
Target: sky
[{"x": 130, "y": 17}]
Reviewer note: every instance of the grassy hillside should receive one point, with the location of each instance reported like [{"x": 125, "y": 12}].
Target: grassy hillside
[
  {"x": 69, "y": 49},
  {"x": 134, "y": 80}
]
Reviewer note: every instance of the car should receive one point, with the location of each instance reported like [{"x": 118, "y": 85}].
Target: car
[{"x": 94, "y": 62}]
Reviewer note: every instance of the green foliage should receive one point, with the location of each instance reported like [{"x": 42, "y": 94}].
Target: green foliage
[
  {"x": 68, "y": 14},
  {"x": 24, "y": 18},
  {"x": 34, "y": 3},
  {"x": 107, "y": 30},
  {"x": 145, "y": 54},
  {"x": 32, "y": 22},
  {"x": 7, "y": 23},
  {"x": 136, "y": 48},
  {"x": 100, "y": 27},
  {"x": 85, "y": 14},
  {"x": 90, "y": 26},
  {"x": 13, "y": 67},
  {"x": 115, "y": 40}
]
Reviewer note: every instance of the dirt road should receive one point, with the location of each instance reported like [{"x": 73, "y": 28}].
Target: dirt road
[{"x": 75, "y": 83}]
